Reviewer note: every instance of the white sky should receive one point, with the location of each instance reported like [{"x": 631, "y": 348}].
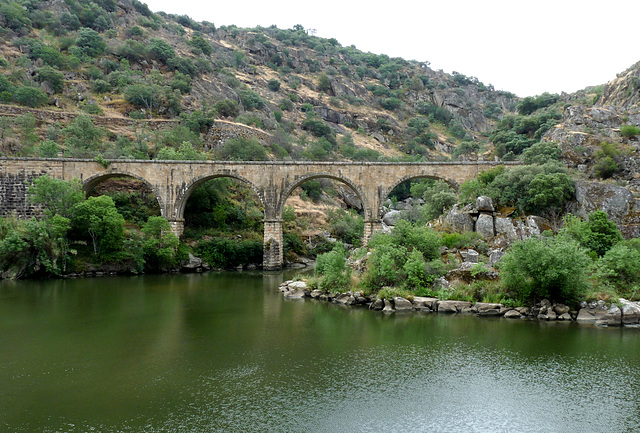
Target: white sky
[{"x": 523, "y": 47}]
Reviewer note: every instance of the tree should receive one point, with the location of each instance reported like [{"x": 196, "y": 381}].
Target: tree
[
  {"x": 185, "y": 152},
  {"x": 57, "y": 197},
  {"x": 553, "y": 268},
  {"x": 30, "y": 96},
  {"x": 83, "y": 138},
  {"x": 541, "y": 153},
  {"x": 274, "y": 85},
  {"x": 49, "y": 75},
  {"x": 160, "y": 50},
  {"x": 242, "y": 149},
  {"x": 144, "y": 96},
  {"x": 34, "y": 247},
  {"x": 548, "y": 191},
  {"x": 90, "y": 42},
  {"x": 597, "y": 233},
  {"x": 98, "y": 218},
  {"x": 324, "y": 83},
  {"x": 466, "y": 148},
  {"x": 160, "y": 244}
]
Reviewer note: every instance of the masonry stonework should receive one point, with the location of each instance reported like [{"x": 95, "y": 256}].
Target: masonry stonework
[{"x": 172, "y": 182}]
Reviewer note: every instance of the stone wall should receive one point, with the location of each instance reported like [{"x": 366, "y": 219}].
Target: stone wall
[
  {"x": 50, "y": 116},
  {"x": 222, "y": 131},
  {"x": 14, "y": 185}
]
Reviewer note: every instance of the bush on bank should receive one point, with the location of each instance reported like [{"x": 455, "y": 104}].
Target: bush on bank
[{"x": 586, "y": 260}]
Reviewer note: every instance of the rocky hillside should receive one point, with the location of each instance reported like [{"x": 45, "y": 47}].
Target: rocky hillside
[{"x": 119, "y": 59}]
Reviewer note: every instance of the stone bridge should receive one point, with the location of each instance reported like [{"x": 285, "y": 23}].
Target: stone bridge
[{"x": 173, "y": 182}]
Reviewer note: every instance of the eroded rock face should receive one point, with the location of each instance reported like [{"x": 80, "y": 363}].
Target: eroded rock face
[{"x": 619, "y": 203}]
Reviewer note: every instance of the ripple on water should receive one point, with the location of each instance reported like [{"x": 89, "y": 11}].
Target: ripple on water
[{"x": 413, "y": 389}]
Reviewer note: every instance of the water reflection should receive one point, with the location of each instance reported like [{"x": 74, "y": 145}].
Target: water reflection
[{"x": 225, "y": 352}]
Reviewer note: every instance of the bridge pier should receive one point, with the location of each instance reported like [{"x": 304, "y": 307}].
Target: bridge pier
[
  {"x": 272, "y": 259},
  {"x": 177, "y": 226},
  {"x": 370, "y": 227}
]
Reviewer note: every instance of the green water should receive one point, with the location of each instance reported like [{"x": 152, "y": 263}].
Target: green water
[{"x": 223, "y": 352}]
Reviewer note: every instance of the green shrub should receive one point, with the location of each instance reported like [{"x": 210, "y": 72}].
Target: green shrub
[
  {"x": 226, "y": 108},
  {"x": 274, "y": 85},
  {"x": 227, "y": 253},
  {"x": 90, "y": 42},
  {"x": 620, "y": 267},
  {"x": 251, "y": 100},
  {"x": 30, "y": 96},
  {"x": 317, "y": 127},
  {"x": 629, "y": 131},
  {"x": 541, "y": 153},
  {"x": 332, "y": 271},
  {"x": 184, "y": 65},
  {"x": 552, "y": 268},
  {"x": 597, "y": 234},
  {"x": 347, "y": 227},
  {"x": 160, "y": 50},
  {"x": 391, "y": 104},
  {"x": 242, "y": 149}
]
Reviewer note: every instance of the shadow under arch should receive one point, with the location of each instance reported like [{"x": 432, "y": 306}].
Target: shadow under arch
[
  {"x": 322, "y": 175},
  {"x": 90, "y": 183},
  {"x": 188, "y": 189}
]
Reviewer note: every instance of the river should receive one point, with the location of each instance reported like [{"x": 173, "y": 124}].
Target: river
[{"x": 224, "y": 352}]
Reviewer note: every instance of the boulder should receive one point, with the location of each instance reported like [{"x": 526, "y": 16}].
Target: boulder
[
  {"x": 547, "y": 313},
  {"x": 345, "y": 299},
  {"x": 495, "y": 256},
  {"x": 192, "y": 264},
  {"x": 402, "y": 304},
  {"x": 388, "y": 306},
  {"x": 504, "y": 227},
  {"x": 590, "y": 315},
  {"x": 423, "y": 303},
  {"x": 487, "y": 309},
  {"x": 315, "y": 294},
  {"x": 484, "y": 226},
  {"x": 561, "y": 309},
  {"x": 298, "y": 285},
  {"x": 613, "y": 317},
  {"x": 470, "y": 256},
  {"x": 484, "y": 204},
  {"x": 391, "y": 217},
  {"x": 630, "y": 312},
  {"x": 377, "y": 304},
  {"x": 458, "y": 221},
  {"x": 512, "y": 314},
  {"x": 295, "y": 294},
  {"x": 452, "y": 306}
]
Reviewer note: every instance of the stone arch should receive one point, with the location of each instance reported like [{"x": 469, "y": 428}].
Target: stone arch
[
  {"x": 299, "y": 181},
  {"x": 385, "y": 193},
  {"x": 187, "y": 189},
  {"x": 92, "y": 181}
]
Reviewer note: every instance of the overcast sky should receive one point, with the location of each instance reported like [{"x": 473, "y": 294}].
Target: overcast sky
[{"x": 525, "y": 48}]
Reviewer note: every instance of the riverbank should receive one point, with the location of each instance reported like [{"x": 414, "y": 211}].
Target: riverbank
[{"x": 623, "y": 313}]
